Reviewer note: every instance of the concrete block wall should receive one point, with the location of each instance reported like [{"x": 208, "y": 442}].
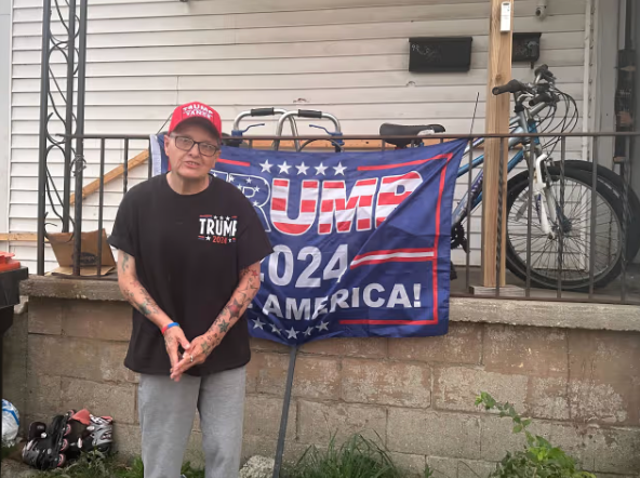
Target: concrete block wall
[{"x": 416, "y": 396}]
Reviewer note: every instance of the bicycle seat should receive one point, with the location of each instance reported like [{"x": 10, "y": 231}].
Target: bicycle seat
[{"x": 390, "y": 130}]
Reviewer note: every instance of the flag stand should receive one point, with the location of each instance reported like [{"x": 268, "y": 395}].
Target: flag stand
[{"x": 285, "y": 412}]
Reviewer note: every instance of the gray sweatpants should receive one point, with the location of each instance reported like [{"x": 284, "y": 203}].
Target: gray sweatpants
[{"x": 167, "y": 412}]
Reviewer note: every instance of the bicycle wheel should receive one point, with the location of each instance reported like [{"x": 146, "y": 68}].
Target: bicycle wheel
[
  {"x": 614, "y": 181},
  {"x": 573, "y": 226}
]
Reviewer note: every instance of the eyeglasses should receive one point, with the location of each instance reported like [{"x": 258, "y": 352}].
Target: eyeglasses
[{"x": 185, "y": 143}]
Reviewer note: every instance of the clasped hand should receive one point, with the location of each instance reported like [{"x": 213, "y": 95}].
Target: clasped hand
[{"x": 195, "y": 353}]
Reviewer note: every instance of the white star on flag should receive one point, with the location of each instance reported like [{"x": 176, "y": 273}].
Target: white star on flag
[
  {"x": 292, "y": 334},
  {"x": 275, "y": 329},
  {"x": 256, "y": 189},
  {"x": 284, "y": 168},
  {"x": 248, "y": 180},
  {"x": 266, "y": 167},
  {"x": 339, "y": 169},
  {"x": 214, "y": 175},
  {"x": 258, "y": 324},
  {"x": 320, "y": 169},
  {"x": 255, "y": 203},
  {"x": 323, "y": 326},
  {"x": 231, "y": 178},
  {"x": 308, "y": 332},
  {"x": 302, "y": 169}
]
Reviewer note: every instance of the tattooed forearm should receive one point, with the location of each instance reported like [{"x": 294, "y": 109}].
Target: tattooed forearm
[
  {"x": 243, "y": 295},
  {"x": 136, "y": 294}
]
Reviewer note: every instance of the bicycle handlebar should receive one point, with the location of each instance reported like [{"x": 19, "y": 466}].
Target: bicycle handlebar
[
  {"x": 514, "y": 86},
  {"x": 542, "y": 98}
]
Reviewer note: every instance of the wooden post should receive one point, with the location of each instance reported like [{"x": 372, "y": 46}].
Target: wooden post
[{"x": 497, "y": 121}]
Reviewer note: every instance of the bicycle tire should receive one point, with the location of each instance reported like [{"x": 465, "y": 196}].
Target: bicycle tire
[
  {"x": 518, "y": 266},
  {"x": 617, "y": 187}
]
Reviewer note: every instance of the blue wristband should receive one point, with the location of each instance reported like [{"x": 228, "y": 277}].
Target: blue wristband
[{"x": 167, "y": 327}]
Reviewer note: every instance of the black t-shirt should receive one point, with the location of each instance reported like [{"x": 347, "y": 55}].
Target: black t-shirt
[{"x": 189, "y": 251}]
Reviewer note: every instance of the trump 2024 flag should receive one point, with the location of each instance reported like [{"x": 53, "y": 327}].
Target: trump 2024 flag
[{"x": 361, "y": 240}]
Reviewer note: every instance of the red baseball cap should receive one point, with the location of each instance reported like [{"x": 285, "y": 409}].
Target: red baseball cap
[{"x": 196, "y": 110}]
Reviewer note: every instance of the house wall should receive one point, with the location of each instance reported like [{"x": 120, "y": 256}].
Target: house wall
[
  {"x": 5, "y": 112},
  {"x": 347, "y": 57},
  {"x": 578, "y": 378}
]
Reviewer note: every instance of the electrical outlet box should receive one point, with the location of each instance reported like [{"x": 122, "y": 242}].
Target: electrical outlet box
[{"x": 505, "y": 17}]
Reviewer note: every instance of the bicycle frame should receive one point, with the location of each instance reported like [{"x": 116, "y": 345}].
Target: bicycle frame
[{"x": 460, "y": 212}]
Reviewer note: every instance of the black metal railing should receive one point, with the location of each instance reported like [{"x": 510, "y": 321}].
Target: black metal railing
[{"x": 606, "y": 227}]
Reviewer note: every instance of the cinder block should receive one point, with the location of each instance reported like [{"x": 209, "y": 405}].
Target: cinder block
[
  {"x": 498, "y": 437},
  {"x": 318, "y": 422},
  {"x": 548, "y": 398},
  {"x": 79, "y": 358},
  {"x": 535, "y": 351},
  {"x": 262, "y": 345},
  {"x": 317, "y": 377},
  {"x": 605, "y": 377},
  {"x": 616, "y": 450},
  {"x": 453, "y": 435},
  {"x": 98, "y": 320},
  {"x": 574, "y": 439},
  {"x": 458, "y": 468},
  {"x": 44, "y": 394},
  {"x": 389, "y": 383},
  {"x": 117, "y": 401},
  {"x": 456, "y": 388},
  {"x": 128, "y": 441},
  {"x": 462, "y": 345},
  {"x": 45, "y": 315},
  {"x": 412, "y": 466},
  {"x": 267, "y": 373},
  {"x": 333, "y": 347},
  {"x": 262, "y": 417},
  {"x": 370, "y": 347}
]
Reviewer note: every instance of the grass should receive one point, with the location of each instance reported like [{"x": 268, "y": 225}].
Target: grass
[{"x": 358, "y": 457}]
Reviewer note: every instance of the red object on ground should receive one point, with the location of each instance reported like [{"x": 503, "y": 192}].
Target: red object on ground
[{"x": 7, "y": 263}]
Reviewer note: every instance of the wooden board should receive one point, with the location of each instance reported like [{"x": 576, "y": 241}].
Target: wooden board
[{"x": 497, "y": 121}]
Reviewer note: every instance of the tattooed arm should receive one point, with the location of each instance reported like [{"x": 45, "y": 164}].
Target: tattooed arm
[
  {"x": 138, "y": 297},
  {"x": 201, "y": 347}
]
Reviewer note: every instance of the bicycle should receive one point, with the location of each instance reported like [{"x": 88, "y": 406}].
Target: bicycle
[
  {"x": 554, "y": 227},
  {"x": 549, "y": 185}
]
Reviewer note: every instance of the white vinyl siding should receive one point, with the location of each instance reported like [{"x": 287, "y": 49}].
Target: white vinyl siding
[{"x": 346, "y": 57}]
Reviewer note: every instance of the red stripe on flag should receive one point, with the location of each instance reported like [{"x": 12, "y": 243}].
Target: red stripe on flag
[
  {"x": 393, "y": 259},
  {"x": 324, "y": 228},
  {"x": 333, "y": 185},
  {"x": 391, "y": 199},
  {"x": 393, "y": 251},
  {"x": 281, "y": 182},
  {"x": 443, "y": 176},
  {"x": 292, "y": 228},
  {"x": 308, "y": 205},
  {"x": 447, "y": 156},
  {"x": 344, "y": 226},
  {"x": 236, "y": 163},
  {"x": 279, "y": 204},
  {"x": 364, "y": 224}
]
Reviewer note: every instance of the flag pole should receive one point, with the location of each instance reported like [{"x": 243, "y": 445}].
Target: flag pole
[{"x": 285, "y": 412}]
